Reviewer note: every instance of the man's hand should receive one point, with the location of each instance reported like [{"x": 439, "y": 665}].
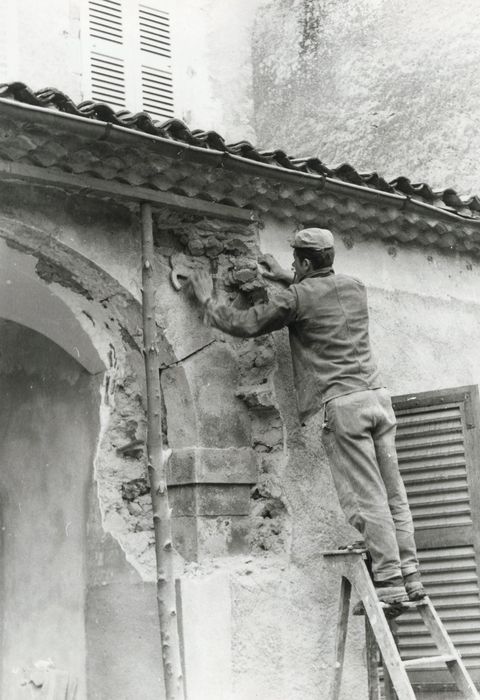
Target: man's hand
[
  {"x": 271, "y": 269},
  {"x": 200, "y": 283}
]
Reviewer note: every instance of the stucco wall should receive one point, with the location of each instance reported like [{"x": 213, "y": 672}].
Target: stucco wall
[
  {"x": 213, "y": 66},
  {"x": 424, "y": 307},
  {"x": 44, "y": 44},
  {"x": 48, "y": 423},
  {"x": 387, "y": 85}
]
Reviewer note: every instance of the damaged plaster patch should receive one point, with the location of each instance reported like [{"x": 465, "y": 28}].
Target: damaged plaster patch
[
  {"x": 106, "y": 313},
  {"x": 51, "y": 272},
  {"x": 229, "y": 252},
  {"x": 270, "y": 521}
]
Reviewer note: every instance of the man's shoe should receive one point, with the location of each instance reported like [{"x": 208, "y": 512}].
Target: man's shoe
[
  {"x": 393, "y": 596},
  {"x": 414, "y": 586}
]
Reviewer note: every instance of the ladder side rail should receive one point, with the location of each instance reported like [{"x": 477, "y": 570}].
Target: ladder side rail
[
  {"x": 445, "y": 645},
  {"x": 341, "y": 637},
  {"x": 371, "y": 647},
  {"x": 363, "y": 585},
  {"x": 388, "y": 689}
]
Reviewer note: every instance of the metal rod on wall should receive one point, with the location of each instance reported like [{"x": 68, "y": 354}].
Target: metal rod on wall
[{"x": 157, "y": 471}]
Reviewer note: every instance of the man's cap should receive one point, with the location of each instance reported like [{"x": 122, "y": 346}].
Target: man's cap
[{"x": 315, "y": 238}]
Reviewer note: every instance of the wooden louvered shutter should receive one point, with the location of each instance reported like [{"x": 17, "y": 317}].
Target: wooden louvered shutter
[
  {"x": 106, "y": 63},
  {"x": 438, "y": 451},
  {"x": 155, "y": 59},
  {"x": 129, "y": 55}
]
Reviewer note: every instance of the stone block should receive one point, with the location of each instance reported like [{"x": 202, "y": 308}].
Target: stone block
[
  {"x": 205, "y": 537},
  {"x": 209, "y": 499},
  {"x": 185, "y": 536},
  {"x": 222, "y": 536},
  {"x": 212, "y": 465}
]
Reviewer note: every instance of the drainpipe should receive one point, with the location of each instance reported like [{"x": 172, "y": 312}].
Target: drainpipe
[{"x": 157, "y": 472}]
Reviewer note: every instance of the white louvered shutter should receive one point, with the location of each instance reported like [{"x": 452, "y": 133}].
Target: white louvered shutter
[
  {"x": 129, "y": 55},
  {"x": 155, "y": 59},
  {"x": 107, "y": 52},
  {"x": 437, "y": 444}
]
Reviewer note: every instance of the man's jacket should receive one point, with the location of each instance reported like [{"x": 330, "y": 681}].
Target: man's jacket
[{"x": 327, "y": 319}]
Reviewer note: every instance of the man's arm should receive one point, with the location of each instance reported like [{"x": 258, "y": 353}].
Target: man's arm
[{"x": 248, "y": 323}]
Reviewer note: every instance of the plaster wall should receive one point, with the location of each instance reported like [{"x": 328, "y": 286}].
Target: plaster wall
[
  {"x": 213, "y": 66},
  {"x": 387, "y": 85},
  {"x": 48, "y": 431},
  {"x": 44, "y": 44},
  {"x": 283, "y": 600},
  {"x": 425, "y": 307}
]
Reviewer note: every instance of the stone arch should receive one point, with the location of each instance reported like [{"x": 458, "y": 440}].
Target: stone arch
[
  {"x": 27, "y": 300},
  {"x": 96, "y": 320}
]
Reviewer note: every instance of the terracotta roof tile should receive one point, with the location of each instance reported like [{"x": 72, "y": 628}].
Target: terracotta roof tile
[{"x": 177, "y": 130}]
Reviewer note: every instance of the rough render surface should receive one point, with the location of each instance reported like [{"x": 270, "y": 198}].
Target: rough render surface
[
  {"x": 384, "y": 85},
  {"x": 283, "y": 599},
  {"x": 110, "y": 315},
  {"x": 212, "y": 64},
  {"x": 49, "y": 410},
  {"x": 423, "y": 306},
  {"x": 218, "y": 392},
  {"x": 37, "y": 28}
]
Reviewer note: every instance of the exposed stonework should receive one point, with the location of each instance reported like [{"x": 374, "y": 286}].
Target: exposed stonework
[
  {"x": 270, "y": 522},
  {"x": 232, "y": 251}
]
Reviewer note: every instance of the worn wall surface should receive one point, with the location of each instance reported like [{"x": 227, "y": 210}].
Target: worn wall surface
[
  {"x": 48, "y": 424},
  {"x": 212, "y": 61},
  {"x": 424, "y": 305},
  {"x": 385, "y": 85},
  {"x": 82, "y": 256},
  {"x": 229, "y": 406},
  {"x": 388, "y": 86},
  {"x": 43, "y": 42}
]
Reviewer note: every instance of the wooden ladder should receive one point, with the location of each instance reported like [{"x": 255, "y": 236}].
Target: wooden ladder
[{"x": 350, "y": 565}]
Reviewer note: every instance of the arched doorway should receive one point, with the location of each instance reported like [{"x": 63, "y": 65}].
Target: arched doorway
[
  {"x": 48, "y": 433},
  {"x": 72, "y": 397}
]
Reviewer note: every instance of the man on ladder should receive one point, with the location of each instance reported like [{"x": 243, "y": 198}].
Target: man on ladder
[{"x": 327, "y": 318}]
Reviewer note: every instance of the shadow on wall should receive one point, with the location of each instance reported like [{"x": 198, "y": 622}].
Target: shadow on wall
[{"x": 48, "y": 432}]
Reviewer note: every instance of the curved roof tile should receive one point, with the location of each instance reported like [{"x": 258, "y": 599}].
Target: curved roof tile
[{"x": 177, "y": 130}]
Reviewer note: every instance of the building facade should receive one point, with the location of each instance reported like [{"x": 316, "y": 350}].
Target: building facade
[{"x": 252, "y": 498}]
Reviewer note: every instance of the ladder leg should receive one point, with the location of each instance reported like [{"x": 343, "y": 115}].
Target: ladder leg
[
  {"x": 385, "y": 641},
  {"x": 390, "y": 693},
  {"x": 441, "y": 638},
  {"x": 341, "y": 638},
  {"x": 372, "y": 662}
]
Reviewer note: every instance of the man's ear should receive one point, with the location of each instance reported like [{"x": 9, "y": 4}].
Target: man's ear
[{"x": 307, "y": 264}]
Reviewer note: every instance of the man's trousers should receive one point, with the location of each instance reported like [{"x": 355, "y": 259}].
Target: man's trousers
[{"x": 359, "y": 438}]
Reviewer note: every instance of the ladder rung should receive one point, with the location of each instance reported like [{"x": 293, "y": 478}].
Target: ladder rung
[{"x": 429, "y": 660}]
